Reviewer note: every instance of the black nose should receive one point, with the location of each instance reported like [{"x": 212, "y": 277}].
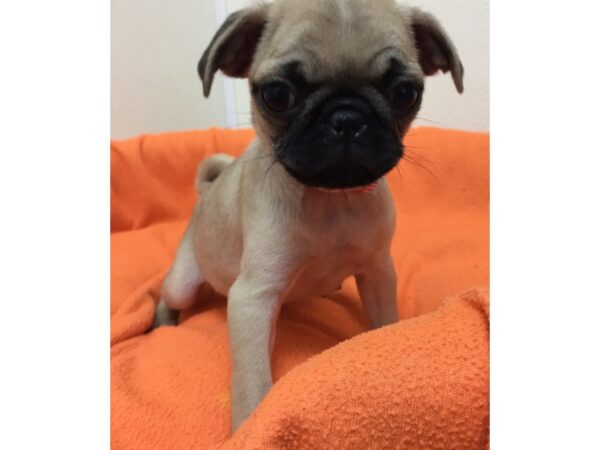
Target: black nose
[{"x": 347, "y": 123}]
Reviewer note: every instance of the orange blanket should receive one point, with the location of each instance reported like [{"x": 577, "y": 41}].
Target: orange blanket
[{"x": 419, "y": 384}]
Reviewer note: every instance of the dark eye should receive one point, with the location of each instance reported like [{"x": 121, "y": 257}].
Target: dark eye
[
  {"x": 404, "y": 95},
  {"x": 278, "y": 96}
]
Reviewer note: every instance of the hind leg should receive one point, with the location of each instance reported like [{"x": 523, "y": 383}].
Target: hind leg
[
  {"x": 181, "y": 284},
  {"x": 164, "y": 316}
]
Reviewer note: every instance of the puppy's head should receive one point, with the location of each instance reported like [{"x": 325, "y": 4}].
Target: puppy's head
[{"x": 335, "y": 83}]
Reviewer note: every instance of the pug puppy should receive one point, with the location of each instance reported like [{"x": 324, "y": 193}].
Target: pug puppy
[{"x": 335, "y": 85}]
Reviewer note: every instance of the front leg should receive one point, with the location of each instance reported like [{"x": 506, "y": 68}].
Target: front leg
[
  {"x": 252, "y": 311},
  {"x": 377, "y": 289}
]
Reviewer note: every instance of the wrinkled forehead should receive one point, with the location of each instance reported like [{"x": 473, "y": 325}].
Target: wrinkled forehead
[{"x": 333, "y": 39}]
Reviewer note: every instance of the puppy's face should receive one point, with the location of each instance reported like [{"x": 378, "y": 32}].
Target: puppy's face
[
  {"x": 341, "y": 130},
  {"x": 335, "y": 83}
]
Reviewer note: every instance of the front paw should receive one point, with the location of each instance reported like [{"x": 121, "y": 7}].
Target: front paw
[
  {"x": 240, "y": 411},
  {"x": 383, "y": 320},
  {"x": 245, "y": 401},
  {"x": 237, "y": 419}
]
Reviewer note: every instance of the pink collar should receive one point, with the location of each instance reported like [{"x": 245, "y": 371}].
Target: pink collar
[{"x": 364, "y": 189}]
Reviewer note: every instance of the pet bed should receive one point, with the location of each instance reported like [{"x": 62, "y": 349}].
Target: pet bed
[{"x": 420, "y": 384}]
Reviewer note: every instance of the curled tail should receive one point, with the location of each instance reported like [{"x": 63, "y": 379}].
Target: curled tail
[{"x": 210, "y": 169}]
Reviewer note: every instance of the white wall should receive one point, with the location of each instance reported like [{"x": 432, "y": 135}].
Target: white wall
[
  {"x": 156, "y": 45},
  {"x": 468, "y": 24},
  {"x": 155, "y": 48}
]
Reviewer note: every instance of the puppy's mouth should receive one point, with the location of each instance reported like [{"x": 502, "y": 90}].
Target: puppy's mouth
[
  {"x": 344, "y": 175},
  {"x": 344, "y": 144}
]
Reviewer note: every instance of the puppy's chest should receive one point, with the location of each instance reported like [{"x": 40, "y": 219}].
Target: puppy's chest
[
  {"x": 326, "y": 270},
  {"x": 346, "y": 231},
  {"x": 337, "y": 241},
  {"x": 340, "y": 251}
]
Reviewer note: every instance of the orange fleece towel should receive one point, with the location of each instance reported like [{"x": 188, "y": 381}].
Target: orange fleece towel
[{"x": 420, "y": 384}]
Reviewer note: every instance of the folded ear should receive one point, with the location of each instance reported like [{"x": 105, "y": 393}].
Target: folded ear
[
  {"x": 436, "y": 50},
  {"x": 232, "y": 48}
]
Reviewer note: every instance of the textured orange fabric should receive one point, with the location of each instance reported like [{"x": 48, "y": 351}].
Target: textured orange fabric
[{"x": 419, "y": 384}]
